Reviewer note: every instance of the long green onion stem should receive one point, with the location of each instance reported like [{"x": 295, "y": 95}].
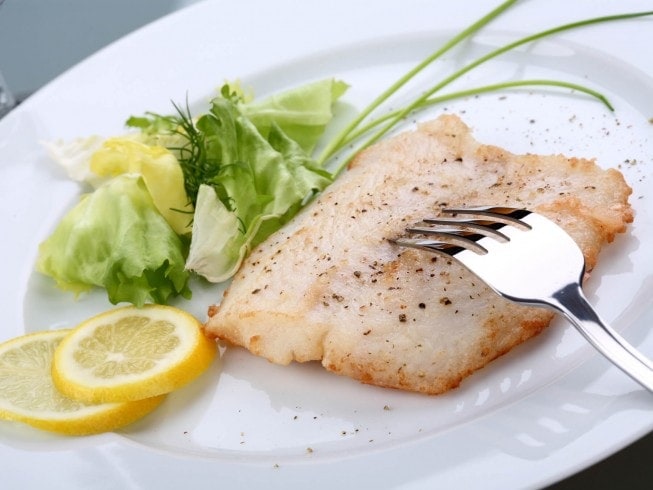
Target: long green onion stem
[
  {"x": 353, "y": 131},
  {"x": 336, "y": 143},
  {"x": 362, "y": 130}
]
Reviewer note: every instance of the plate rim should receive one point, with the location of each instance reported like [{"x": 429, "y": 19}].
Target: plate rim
[{"x": 636, "y": 428}]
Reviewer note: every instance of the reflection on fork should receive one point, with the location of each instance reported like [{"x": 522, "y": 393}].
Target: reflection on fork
[{"x": 528, "y": 259}]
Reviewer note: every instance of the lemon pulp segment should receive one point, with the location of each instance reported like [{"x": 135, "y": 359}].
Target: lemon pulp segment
[
  {"x": 28, "y": 394},
  {"x": 132, "y": 353}
]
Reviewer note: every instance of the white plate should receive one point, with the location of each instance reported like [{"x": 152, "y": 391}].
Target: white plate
[{"x": 540, "y": 413}]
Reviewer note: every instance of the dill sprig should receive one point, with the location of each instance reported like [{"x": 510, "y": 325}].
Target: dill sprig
[{"x": 196, "y": 165}]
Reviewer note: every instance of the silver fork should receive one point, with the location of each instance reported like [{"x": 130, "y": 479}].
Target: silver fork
[{"x": 528, "y": 259}]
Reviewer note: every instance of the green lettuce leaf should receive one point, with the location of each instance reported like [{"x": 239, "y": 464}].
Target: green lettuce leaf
[
  {"x": 160, "y": 170},
  {"x": 246, "y": 165},
  {"x": 260, "y": 185},
  {"x": 219, "y": 242},
  {"x": 302, "y": 112},
  {"x": 115, "y": 238},
  {"x": 95, "y": 160}
]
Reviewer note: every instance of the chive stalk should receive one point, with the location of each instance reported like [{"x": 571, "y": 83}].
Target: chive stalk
[
  {"x": 336, "y": 143},
  {"x": 495, "y": 87},
  {"x": 354, "y": 130}
]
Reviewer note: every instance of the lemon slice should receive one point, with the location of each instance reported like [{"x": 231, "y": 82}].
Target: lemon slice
[
  {"x": 131, "y": 353},
  {"x": 27, "y": 393}
]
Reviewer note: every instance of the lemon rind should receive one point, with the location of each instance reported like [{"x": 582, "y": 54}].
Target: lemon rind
[
  {"x": 182, "y": 371},
  {"x": 88, "y": 419}
]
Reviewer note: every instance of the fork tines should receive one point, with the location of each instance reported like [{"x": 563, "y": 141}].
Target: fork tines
[
  {"x": 461, "y": 229},
  {"x": 527, "y": 258}
]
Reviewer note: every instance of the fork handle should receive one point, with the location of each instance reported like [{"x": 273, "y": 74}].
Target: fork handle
[{"x": 571, "y": 302}]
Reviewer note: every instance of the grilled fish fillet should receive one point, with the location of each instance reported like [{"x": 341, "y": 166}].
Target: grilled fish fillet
[{"x": 331, "y": 287}]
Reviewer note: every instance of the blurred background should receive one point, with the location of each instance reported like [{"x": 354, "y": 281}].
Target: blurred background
[{"x": 41, "y": 39}]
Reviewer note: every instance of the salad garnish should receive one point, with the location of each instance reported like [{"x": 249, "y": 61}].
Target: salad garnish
[{"x": 202, "y": 190}]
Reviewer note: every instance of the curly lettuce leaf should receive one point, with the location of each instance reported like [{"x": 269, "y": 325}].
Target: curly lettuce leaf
[
  {"x": 260, "y": 185},
  {"x": 115, "y": 238},
  {"x": 219, "y": 243},
  {"x": 246, "y": 166},
  {"x": 95, "y": 160},
  {"x": 302, "y": 112},
  {"x": 160, "y": 171}
]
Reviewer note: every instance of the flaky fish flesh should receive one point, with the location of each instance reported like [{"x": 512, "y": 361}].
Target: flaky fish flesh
[{"x": 332, "y": 287}]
